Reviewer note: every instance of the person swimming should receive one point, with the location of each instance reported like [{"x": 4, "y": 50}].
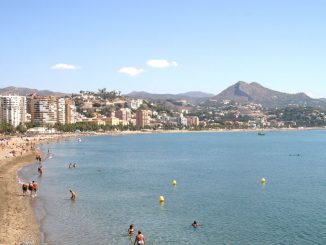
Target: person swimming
[
  {"x": 195, "y": 224},
  {"x": 131, "y": 230}
]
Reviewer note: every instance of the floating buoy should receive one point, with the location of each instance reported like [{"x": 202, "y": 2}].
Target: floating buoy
[
  {"x": 263, "y": 181},
  {"x": 161, "y": 199},
  {"x": 174, "y": 182}
]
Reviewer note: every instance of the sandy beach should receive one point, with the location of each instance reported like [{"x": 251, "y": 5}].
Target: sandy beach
[{"x": 18, "y": 223}]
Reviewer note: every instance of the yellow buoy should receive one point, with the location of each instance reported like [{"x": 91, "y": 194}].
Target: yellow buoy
[
  {"x": 263, "y": 181},
  {"x": 174, "y": 182},
  {"x": 161, "y": 198}
]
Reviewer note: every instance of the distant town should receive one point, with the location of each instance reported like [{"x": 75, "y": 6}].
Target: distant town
[{"x": 111, "y": 111}]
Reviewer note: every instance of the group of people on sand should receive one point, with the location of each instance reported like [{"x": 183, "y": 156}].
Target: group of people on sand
[{"x": 30, "y": 188}]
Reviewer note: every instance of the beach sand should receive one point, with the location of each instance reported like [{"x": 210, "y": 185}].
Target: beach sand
[{"x": 18, "y": 224}]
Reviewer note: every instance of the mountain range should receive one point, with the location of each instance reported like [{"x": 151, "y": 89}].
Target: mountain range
[
  {"x": 26, "y": 91},
  {"x": 239, "y": 92}
]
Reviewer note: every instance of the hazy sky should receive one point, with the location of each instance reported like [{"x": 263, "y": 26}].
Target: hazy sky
[{"x": 163, "y": 46}]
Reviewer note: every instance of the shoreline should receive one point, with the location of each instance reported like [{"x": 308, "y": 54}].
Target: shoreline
[{"x": 19, "y": 223}]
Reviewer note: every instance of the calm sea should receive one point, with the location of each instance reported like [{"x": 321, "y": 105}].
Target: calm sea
[{"x": 119, "y": 180}]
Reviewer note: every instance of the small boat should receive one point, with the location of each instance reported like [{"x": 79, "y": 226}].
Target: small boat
[{"x": 79, "y": 139}]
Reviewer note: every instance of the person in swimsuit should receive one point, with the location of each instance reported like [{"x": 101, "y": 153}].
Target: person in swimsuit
[
  {"x": 40, "y": 170},
  {"x": 25, "y": 187},
  {"x": 30, "y": 188},
  {"x": 195, "y": 224},
  {"x": 73, "y": 195},
  {"x": 35, "y": 187},
  {"x": 131, "y": 230},
  {"x": 140, "y": 239}
]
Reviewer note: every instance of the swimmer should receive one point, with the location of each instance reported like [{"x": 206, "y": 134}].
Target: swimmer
[
  {"x": 131, "y": 230},
  {"x": 140, "y": 239},
  {"x": 195, "y": 224},
  {"x": 70, "y": 165},
  {"x": 73, "y": 195},
  {"x": 74, "y": 165}
]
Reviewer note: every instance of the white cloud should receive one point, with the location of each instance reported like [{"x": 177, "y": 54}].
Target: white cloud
[
  {"x": 131, "y": 71},
  {"x": 62, "y": 66},
  {"x": 161, "y": 63}
]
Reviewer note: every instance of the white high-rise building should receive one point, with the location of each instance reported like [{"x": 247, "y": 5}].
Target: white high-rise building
[
  {"x": 61, "y": 111},
  {"x": 13, "y": 109}
]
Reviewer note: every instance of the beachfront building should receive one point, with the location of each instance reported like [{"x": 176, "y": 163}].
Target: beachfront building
[
  {"x": 70, "y": 111},
  {"x": 44, "y": 110},
  {"x": 112, "y": 121},
  {"x": 182, "y": 121},
  {"x": 124, "y": 114},
  {"x": 142, "y": 119},
  {"x": 192, "y": 121},
  {"x": 12, "y": 109},
  {"x": 61, "y": 111}
]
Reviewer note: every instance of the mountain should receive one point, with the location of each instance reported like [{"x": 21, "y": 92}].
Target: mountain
[
  {"x": 191, "y": 97},
  {"x": 256, "y": 93},
  {"x": 25, "y": 91}
]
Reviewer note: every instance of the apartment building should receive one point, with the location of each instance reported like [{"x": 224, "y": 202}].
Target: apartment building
[
  {"x": 142, "y": 119},
  {"x": 124, "y": 114},
  {"x": 192, "y": 121},
  {"x": 70, "y": 111},
  {"x": 13, "y": 109}
]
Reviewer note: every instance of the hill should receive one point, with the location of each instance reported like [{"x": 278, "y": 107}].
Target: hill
[
  {"x": 256, "y": 93},
  {"x": 191, "y": 97},
  {"x": 26, "y": 91}
]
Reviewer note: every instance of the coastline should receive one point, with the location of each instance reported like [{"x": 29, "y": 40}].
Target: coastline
[{"x": 18, "y": 222}]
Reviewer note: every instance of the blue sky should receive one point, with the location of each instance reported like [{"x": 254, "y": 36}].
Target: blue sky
[{"x": 163, "y": 46}]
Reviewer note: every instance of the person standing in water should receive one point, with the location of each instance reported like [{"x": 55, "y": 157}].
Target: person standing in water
[
  {"x": 131, "y": 230},
  {"x": 140, "y": 239},
  {"x": 73, "y": 195},
  {"x": 40, "y": 169}
]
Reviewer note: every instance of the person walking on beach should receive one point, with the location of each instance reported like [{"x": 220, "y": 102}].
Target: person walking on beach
[
  {"x": 25, "y": 187},
  {"x": 73, "y": 195},
  {"x": 30, "y": 188},
  {"x": 140, "y": 239},
  {"x": 35, "y": 187}
]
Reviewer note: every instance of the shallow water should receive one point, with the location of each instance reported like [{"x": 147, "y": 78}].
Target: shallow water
[{"x": 119, "y": 179}]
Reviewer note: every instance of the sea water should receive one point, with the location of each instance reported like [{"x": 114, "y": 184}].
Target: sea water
[{"x": 119, "y": 179}]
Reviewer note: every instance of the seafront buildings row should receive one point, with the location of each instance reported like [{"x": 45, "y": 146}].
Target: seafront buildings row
[
  {"x": 39, "y": 110},
  {"x": 46, "y": 111}
]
